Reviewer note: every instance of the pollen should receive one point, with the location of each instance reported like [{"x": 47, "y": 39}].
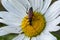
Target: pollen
[{"x": 38, "y": 25}]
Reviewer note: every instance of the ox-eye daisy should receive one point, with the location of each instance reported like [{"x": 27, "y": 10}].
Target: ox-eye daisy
[{"x": 31, "y": 19}]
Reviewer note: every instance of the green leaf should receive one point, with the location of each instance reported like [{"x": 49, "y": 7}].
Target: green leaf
[
  {"x": 56, "y": 34},
  {"x": 52, "y": 2},
  {"x": 0, "y": 18},
  {"x": 8, "y": 37},
  {"x": 2, "y": 24},
  {"x": 1, "y": 7},
  {"x": 58, "y": 24}
]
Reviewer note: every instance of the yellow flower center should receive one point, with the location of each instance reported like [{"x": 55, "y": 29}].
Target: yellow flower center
[{"x": 38, "y": 24}]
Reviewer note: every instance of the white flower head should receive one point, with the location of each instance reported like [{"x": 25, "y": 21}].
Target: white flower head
[{"x": 31, "y": 19}]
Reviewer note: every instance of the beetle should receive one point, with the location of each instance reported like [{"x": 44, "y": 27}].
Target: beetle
[{"x": 30, "y": 15}]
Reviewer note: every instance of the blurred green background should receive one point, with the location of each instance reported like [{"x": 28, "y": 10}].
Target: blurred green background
[{"x": 10, "y": 36}]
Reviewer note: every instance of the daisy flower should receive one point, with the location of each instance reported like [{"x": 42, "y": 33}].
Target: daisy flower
[{"x": 31, "y": 19}]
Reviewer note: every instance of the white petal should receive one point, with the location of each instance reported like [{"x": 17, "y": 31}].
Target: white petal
[
  {"x": 3, "y": 31},
  {"x": 14, "y": 7},
  {"x": 36, "y": 4},
  {"x": 1, "y": 20},
  {"x": 25, "y": 3},
  {"x": 10, "y": 29},
  {"x": 46, "y": 36},
  {"x": 9, "y": 23},
  {"x": 53, "y": 11},
  {"x": 18, "y": 6},
  {"x": 13, "y": 29},
  {"x": 52, "y": 26},
  {"x": 54, "y": 22},
  {"x": 10, "y": 17},
  {"x": 26, "y": 38},
  {"x": 19, "y": 37},
  {"x": 33, "y": 38},
  {"x": 46, "y": 5},
  {"x": 9, "y": 6}
]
